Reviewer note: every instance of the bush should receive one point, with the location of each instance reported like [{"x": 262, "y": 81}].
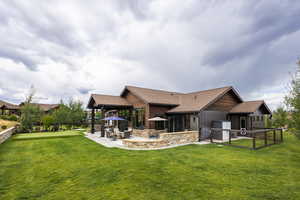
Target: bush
[
  {"x": 13, "y": 118},
  {"x": 9, "y": 117},
  {"x": 3, "y": 127},
  {"x": 4, "y": 117}
]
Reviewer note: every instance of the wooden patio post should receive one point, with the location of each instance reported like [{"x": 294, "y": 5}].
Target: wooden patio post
[
  {"x": 102, "y": 123},
  {"x": 211, "y": 135},
  {"x": 281, "y": 135},
  {"x": 93, "y": 121},
  {"x": 253, "y": 141}
]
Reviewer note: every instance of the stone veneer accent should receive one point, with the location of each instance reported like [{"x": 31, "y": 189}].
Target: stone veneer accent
[
  {"x": 146, "y": 133},
  {"x": 4, "y": 135},
  {"x": 180, "y": 137},
  {"x": 147, "y": 144},
  {"x": 166, "y": 139}
]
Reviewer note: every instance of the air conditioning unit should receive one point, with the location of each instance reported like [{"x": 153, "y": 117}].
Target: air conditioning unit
[{"x": 224, "y": 134}]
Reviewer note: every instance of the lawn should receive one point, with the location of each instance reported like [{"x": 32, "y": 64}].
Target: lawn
[{"x": 77, "y": 168}]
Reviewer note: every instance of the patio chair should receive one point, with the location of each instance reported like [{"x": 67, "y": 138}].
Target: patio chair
[{"x": 127, "y": 134}]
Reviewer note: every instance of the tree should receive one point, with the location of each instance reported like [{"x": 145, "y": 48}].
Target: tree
[
  {"x": 30, "y": 114},
  {"x": 61, "y": 115},
  {"x": 77, "y": 114},
  {"x": 293, "y": 101},
  {"x": 69, "y": 114},
  {"x": 280, "y": 118},
  {"x": 47, "y": 121}
]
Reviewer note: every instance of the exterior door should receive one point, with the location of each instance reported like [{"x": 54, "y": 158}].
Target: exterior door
[{"x": 243, "y": 122}]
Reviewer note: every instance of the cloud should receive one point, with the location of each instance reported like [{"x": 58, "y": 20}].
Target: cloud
[{"x": 73, "y": 48}]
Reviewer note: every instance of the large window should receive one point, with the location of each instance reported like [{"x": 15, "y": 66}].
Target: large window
[{"x": 139, "y": 118}]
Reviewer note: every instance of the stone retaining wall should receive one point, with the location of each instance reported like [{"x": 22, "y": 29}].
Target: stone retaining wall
[
  {"x": 166, "y": 139},
  {"x": 4, "y": 135},
  {"x": 146, "y": 133},
  {"x": 180, "y": 137},
  {"x": 145, "y": 143}
]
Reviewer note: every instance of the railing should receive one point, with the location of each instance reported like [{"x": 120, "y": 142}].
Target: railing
[{"x": 258, "y": 138}]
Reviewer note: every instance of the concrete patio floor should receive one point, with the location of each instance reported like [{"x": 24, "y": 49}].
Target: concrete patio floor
[{"x": 107, "y": 142}]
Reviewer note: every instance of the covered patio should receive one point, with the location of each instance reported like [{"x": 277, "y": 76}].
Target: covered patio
[{"x": 107, "y": 106}]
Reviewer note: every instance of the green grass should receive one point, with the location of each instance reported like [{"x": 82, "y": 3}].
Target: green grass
[{"x": 77, "y": 168}]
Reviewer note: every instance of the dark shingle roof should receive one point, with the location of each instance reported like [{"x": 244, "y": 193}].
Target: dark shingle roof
[
  {"x": 155, "y": 96},
  {"x": 44, "y": 107},
  {"x": 110, "y": 100},
  {"x": 196, "y": 101},
  {"x": 9, "y": 105},
  {"x": 249, "y": 107}
]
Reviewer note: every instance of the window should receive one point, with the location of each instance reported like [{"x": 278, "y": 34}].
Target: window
[
  {"x": 139, "y": 118},
  {"x": 160, "y": 125},
  {"x": 257, "y": 118}
]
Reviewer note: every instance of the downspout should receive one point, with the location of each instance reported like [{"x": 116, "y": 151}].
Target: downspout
[{"x": 199, "y": 127}]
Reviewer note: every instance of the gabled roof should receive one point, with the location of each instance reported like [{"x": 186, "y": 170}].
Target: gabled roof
[
  {"x": 8, "y": 105},
  {"x": 108, "y": 100},
  {"x": 182, "y": 103},
  {"x": 196, "y": 101},
  {"x": 44, "y": 107},
  {"x": 250, "y": 107},
  {"x": 152, "y": 96}
]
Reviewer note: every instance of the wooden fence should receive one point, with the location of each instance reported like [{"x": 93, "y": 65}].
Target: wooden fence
[{"x": 258, "y": 138}]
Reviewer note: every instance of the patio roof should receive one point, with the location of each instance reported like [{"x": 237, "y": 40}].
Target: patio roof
[{"x": 107, "y": 101}]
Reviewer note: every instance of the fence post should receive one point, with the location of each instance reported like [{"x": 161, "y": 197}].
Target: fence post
[
  {"x": 274, "y": 136},
  {"x": 281, "y": 135},
  {"x": 199, "y": 135},
  {"x": 211, "y": 136},
  {"x": 254, "y": 142},
  {"x": 266, "y": 138},
  {"x": 229, "y": 136}
]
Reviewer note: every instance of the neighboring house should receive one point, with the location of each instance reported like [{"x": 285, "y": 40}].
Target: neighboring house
[
  {"x": 8, "y": 108},
  {"x": 46, "y": 108},
  {"x": 184, "y": 111}
]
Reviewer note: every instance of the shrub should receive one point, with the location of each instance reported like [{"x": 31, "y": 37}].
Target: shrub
[
  {"x": 9, "y": 117},
  {"x": 12, "y": 118},
  {"x": 3, "y": 127},
  {"x": 4, "y": 117}
]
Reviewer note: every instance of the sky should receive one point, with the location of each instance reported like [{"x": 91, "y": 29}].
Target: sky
[{"x": 70, "y": 49}]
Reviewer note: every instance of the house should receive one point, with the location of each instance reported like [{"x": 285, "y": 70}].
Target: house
[
  {"x": 46, "y": 108},
  {"x": 8, "y": 108},
  {"x": 184, "y": 111}
]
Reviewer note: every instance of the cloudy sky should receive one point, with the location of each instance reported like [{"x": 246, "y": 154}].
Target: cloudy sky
[{"x": 69, "y": 49}]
